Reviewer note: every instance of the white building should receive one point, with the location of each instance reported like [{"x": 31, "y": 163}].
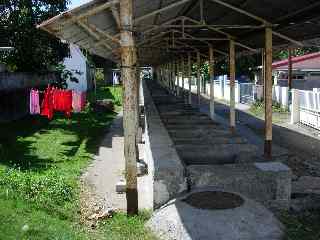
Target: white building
[{"x": 78, "y": 64}]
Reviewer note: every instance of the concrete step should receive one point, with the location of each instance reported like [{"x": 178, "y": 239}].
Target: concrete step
[
  {"x": 207, "y": 140},
  {"x": 216, "y": 154},
  {"x": 189, "y": 131}
]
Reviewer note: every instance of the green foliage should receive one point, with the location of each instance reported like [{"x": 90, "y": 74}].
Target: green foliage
[
  {"x": 99, "y": 75},
  {"x": 258, "y": 107},
  {"x": 123, "y": 228},
  {"x": 303, "y": 226},
  {"x": 34, "y": 49},
  {"x": 40, "y": 165},
  {"x": 284, "y": 54},
  {"x": 65, "y": 75}
]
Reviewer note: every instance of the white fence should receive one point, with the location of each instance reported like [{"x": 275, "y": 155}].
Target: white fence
[
  {"x": 306, "y": 108},
  {"x": 247, "y": 93}
]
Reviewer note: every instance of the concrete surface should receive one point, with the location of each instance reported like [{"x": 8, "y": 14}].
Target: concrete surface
[
  {"x": 108, "y": 168},
  {"x": 179, "y": 221},
  {"x": 268, "y": 183},
  {"x": 165, "y": 166}
]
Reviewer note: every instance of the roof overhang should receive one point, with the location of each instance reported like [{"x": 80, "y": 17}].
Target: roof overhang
[{"x": 171, "y": 27}]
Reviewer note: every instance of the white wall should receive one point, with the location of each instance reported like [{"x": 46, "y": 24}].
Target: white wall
[{"x": 77, "y": 64}]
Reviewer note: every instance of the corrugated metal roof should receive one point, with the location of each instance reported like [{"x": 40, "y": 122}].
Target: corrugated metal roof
[
  {"x": 308, "y": 61},
  {"x": 299, "y": 20}
]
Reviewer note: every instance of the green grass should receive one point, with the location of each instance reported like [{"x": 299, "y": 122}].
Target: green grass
[
  {"x": 303, "y": 226},
  {"x": 279, "y": 114},
  {"x": 40, "y": 165}
]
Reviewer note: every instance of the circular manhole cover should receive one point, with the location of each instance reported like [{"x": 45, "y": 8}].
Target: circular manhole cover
[{"x": 214, "y": 200}]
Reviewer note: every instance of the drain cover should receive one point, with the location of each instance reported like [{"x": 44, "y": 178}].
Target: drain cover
[{"x": 214, "y": 200}]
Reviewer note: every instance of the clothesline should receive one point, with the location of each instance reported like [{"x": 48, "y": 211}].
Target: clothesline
[{"x": 56, "y": 100}]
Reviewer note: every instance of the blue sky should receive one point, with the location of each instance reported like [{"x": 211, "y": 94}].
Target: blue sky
[{"x": 76, "y": 3}]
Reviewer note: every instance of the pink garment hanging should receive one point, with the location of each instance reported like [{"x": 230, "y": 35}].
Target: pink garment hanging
[
  {"x": 76, "y": 101},
  {"x": 34, "y": 102},
  {"x": 83, "y": 100}
]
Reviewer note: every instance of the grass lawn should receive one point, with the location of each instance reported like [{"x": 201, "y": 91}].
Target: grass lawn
[
  {"x": 279, "y": 114},
  {"x": 303, "y": 226},
  {"x": 40, "y": 165}
]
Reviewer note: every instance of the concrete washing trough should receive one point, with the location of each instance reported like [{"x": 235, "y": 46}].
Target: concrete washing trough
[{"x": 212, "y": 214}]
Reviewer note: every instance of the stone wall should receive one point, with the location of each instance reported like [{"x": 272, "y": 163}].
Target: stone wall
[
  {"x": 13, "y": 81},
  {"x": 14, "y": 92},
  {"x": 164, "y": 164}
]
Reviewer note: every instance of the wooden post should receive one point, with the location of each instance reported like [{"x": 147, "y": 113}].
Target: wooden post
[
  {"x": 263, "y": 70},
  {"x": 198, "y": 78},
  {"x": 290, "y": 68},
  {"x": 171, "y": 76},
  {"x": 232, "y": 86},
  {"x": 189, "y": 78},
  {"x": 182, "y": 74},
  {"x": 130, "y": 119},
  {"x": 178, "y": 77},
  {"x": 211, "y": 74},
  {"x": 268, "y": 93}
]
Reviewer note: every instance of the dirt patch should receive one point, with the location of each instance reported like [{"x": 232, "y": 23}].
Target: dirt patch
[
  {"x": 92, "y": 208},
  {"x": 214, "y": 200}
]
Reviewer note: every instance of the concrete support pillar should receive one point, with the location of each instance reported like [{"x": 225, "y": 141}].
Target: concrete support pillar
[
  {"x": 130, "y": 114},
  {"x": 268, "y": 93},
  {"x": 211, "y": 74},
  {"x": 295, "y": 111},
  {"x": 198, "y": 78},
  {"x": 189, "y": 78},
  {"x": 232, "y": 66}
]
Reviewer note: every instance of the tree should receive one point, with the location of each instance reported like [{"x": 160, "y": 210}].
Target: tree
[
  {"x": 34, "y": 49},
  {"x": 283, "y": 54}
]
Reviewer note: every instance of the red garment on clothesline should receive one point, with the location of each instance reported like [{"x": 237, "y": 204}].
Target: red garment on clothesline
[
  {"x": 56, "y": 100},
  {"x": 47, "y": 104}
]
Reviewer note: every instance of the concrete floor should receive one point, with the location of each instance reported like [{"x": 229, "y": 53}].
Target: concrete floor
[
  {"x": 178, "y": 220},
  {"x": 108, "y": 169}
]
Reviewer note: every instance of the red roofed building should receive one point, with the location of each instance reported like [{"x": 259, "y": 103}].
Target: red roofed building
[{"x": 305, "y": 71}]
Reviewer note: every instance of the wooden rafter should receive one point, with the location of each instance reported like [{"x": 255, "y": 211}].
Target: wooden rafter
[
  {"x": 95, "y": 35},
  {"x": 257, "y": 18},
  {"x": 139, "y": 19}
]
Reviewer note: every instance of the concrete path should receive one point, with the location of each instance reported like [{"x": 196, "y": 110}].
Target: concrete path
[
  {"x": 178, "y": 220},
  {"x": 108, "y": 169},
  {"x": 198, "y": 139}
]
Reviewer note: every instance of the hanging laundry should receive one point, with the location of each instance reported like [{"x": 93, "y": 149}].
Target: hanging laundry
[
  {"x": 47, "y": 103},
  {"x": 34, "y": 102},
  {"x": 76, "y": 101},
  {"x": 83, "y": 100},
  {"x": 56, "y": 100}
]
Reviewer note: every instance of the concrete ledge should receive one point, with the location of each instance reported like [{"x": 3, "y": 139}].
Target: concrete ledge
[
  {"x": 165, "y": 166},
  {"x": 268, "y": 183}
]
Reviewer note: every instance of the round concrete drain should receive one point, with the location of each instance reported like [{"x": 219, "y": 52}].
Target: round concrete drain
[{"x": 212, "y": 200}]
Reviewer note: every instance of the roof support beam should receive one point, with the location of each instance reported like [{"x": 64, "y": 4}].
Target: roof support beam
[
  {"x": 90, "y": 12},
  {"x": 103, "y": 33},
  {"x": 257, "y": 18},
  {"x": 239, "y": 10},
  {"x": 223, "y": 33},
  {"x": 139, "y": 19},
  {"x": 116, "y": 16},
  {"x": 163, "y": 24},
  {"x": 205, "y": 26},
  {"x": 94, "y": 35}
]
